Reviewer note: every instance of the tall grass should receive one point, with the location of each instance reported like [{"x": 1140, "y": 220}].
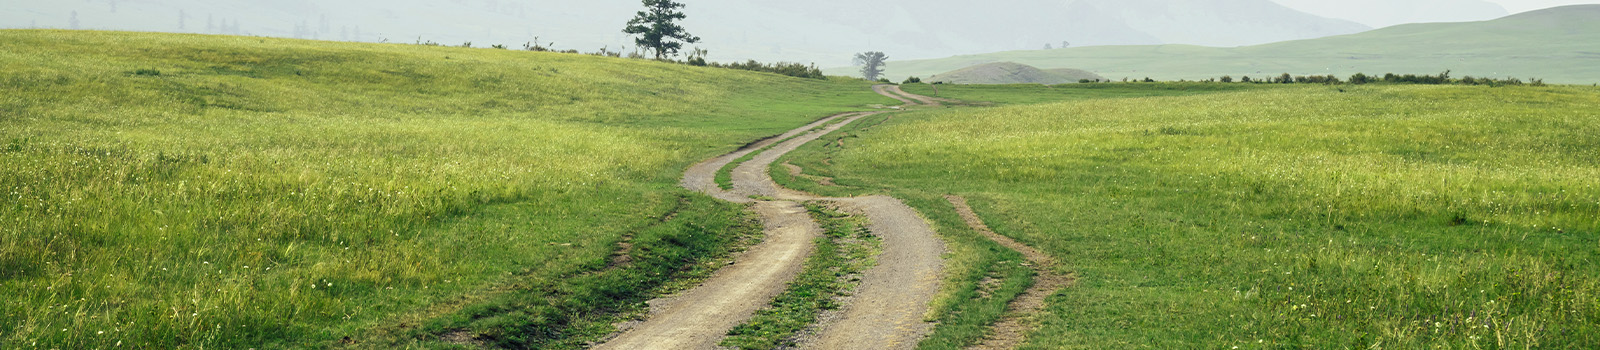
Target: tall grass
[
  {"x": 1294, "y": 217},
  {"x": 182, "y": 191}
]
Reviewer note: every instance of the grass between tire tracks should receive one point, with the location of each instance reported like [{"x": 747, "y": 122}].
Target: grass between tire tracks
[
  {"x": 830, "y": 273},
  {"x": 981, "y": 276}
]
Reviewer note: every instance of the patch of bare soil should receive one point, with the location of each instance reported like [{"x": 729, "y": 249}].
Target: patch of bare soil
[{"x": 1012, "y": 329}]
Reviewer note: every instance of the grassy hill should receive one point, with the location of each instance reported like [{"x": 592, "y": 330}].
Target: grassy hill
[
  {"x": 1553, "y": 44},
  {"x": 1269, "y": 216},
  {"x": 189, "y": 191},
  {"x": 1011, "y": 73}
]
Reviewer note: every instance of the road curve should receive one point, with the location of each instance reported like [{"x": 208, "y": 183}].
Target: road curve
[
  {"x": 700, "y": 317},
  {"x": 885, "y": 90},
  {"x": 908, "y": 98},
  {"x": 885, "y": 312}
]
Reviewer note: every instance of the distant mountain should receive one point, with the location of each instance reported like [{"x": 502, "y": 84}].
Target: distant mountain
[
  {"x": 1222, "y": 23},
  {"x": 1384, "y": 13},
  {"x": 1011, "y": 73},
  {"x": 827, "y": 32},
  {"x": 1556, "y": 44}
]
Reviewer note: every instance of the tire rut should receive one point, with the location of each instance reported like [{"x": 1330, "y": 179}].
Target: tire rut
[
  {"x": 1012, "y": 330},
  {"x": 886, "y": 310}
]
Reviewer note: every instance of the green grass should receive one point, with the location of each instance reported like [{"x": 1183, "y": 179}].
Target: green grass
[
  {"x": 1289, "y": 217},
  {"x": 831, "y": 271},
  {"x": 1034, "y": 93},
  {"x": 183, "y": 191},
  {"x": 1552, "y": 44}
]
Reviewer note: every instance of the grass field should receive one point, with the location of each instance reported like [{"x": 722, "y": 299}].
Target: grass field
[
  {"x": 1383, "y": 216},
  {"x": 183, "y": 191},
  {"x": 1552, "y": 44}
]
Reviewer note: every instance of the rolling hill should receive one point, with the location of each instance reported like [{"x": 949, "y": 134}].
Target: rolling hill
[
  {"x": 1011, "y": 73},
  {"x": 1384, "y": 13},
  {"x": 1555, "y": 44},
  {"x": 202, "y": 191}
]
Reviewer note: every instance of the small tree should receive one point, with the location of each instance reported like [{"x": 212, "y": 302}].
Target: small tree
[
  {"x": 871, "y": 63},
  {"x": 1048, "y": 47},
  {"x": 657, "y": 28},
  {"x": 1227, "y": 79}
]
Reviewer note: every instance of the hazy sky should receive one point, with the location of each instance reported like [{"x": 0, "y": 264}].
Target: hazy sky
[{"x": 823, "y": 31}]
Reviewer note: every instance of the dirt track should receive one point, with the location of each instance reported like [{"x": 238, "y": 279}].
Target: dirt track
[
  {"x": 1011, "y": 331},
  {"x": 884, "y": 313}
]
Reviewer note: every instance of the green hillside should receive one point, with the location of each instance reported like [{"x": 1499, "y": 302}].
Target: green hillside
[
  {"x": 187, "y": 191},
  {"x": 1269, "y": 217},
  {"x": 1554, "y": 44},
  {"x": 1011, "y": 73}
]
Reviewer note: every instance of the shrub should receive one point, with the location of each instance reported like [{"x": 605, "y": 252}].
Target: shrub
[
  {"x": 1359, "y": 79},
  {"x": 1227, "y": 79},
  {"x": 913, "y": 80},
  {"x": 790, "y": 69}
]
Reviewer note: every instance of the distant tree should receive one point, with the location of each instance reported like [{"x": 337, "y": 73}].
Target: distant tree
[
  {"x": 657, "y": 28},
  {"x": 872, "y": 63},
  {"x": 1286, "y": 79},
  {"x": 72, "y": 22},
  {"x": 1048, "y": 47},
  {"x": 1065, "y": 44},
  {"x": 1227, "y": 79},
  {"x": 913, "y": 80},
  {"x": 1245, "y": 79},
  {"x": 1360, "y": 78}
]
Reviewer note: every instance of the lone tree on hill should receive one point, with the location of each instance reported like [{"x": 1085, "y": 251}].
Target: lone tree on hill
[
  {"x": 871, "y": 63},
  {"x": 658, "y": 29}
]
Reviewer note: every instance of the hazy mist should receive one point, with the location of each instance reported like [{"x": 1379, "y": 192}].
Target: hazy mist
[{"x": 825, "y": 32}]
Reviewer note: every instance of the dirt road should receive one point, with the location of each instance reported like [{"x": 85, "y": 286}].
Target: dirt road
[
  {"x": 885, "y": 312},
  {"x": 908, "y": 98}
]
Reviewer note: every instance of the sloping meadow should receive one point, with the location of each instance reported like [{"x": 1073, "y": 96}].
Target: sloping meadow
[
  {"x": 1293, "y": 217},
  {"x": 204, "y": 191}
]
